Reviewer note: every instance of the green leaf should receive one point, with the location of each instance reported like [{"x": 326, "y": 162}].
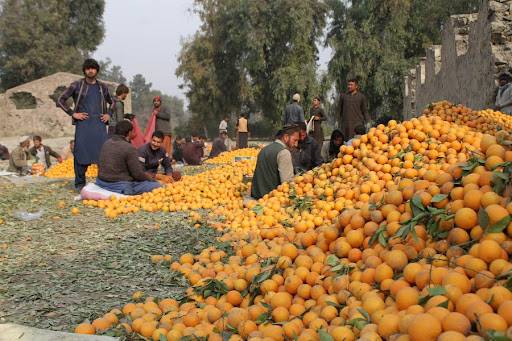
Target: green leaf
[
  {"x": 382, "y": 240},
  {"x": 332, "y": 260},
  {"x": 358, "y": 323},
  {"x": 436, "y": 291},
  {"x": 162, "y": 337},
  {"x": 423, "y": 300},
  {"x": 500, "y": 225},
  {"x": 483, "y": 218},
  {"x": 439, "y": 197},
  {"x": 324, "y": 336},
  {"x": 417, "y": 205},
  {"x": 444, "y": 304},
  {"x": 364, "y": 313},
  {"x": 258, "y": 209}
]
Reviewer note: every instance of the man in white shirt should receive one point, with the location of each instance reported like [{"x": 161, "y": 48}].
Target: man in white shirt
[
  {"x": 504, "y": 95},
  {"x": 223, "y": 126}
]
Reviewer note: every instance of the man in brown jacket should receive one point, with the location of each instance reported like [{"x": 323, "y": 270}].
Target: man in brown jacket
[
  {"x": 353, "y": 110},
  {"x": 18, "y": 160},
  {"x": 119, "y": 168}
]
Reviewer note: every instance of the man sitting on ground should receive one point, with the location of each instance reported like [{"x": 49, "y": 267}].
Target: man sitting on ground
[
  {"x": 359, "y": 130},
  {"x": 219, "y": 144},
  {"x": 43, "y": 153},
  {"x": 152, "y": 155},
  {"x": 119, "y": 168},
  {"x": 193, "y": 151},
  {"x": 274, "y": 165},
  {"x": 308, "y": 153},
  {"x": 18, "y": 160},
  {"x": 4, "y": 152}
]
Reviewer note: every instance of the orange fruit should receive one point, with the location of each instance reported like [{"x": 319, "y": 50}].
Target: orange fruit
[
  {"x": 85, "y": 328},
  {"x": 424, "y": 327}
]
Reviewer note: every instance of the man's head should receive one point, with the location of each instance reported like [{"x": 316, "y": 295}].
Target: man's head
[
  {"x": 223, "y": 135},
  {"x": 188, "y": 139},
  {"x": 71, "y": 144},
  {"x": 296, "y": 98},
  {"x": 38, "y": 141},
  {"x": 316, "y": 101},
  {"x": 125, "y": 129},
  {"x": 25, "y": 143},
  {"x": 303, "y": 131},
  {"x": 157, "y": 101},
  {"x": 122, "y": 91},
  {"x": 226, "y": 118},
  {"x": 156, "y": 140},
  {"x": 337, "y": 137},
  {"x": 289, "y": 135},
  {"x": 90, "y": 68},
  {"x": 359, "y": 129},
  {"x": 504, "y": 78},
  {"x": 352, "y": 85}
]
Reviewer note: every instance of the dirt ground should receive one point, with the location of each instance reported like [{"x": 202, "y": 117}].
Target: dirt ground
[{"x": 61, "y": 269}]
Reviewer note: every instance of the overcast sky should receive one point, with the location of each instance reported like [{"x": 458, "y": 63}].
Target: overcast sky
[{"x": 143, "y": 36}]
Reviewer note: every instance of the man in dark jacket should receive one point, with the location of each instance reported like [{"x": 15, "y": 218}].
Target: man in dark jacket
[
  {"x": 151, "y": 155},
  {"x": 177, "y": 149},
  {"x": 219, "y": 144},
  {"x": 308, "y": 153},
  {"x": 119, "y": 168},
  {"x": 4, "y": 152},
  {"x": 163, "y": 123},
  {"x": 193, "y": 151},
  {"x": 43, "y": 153},
  {"x": 293, "y": 113},
  {"x": 117, "y": 110},
  {"x": 353, "y": 110},
  {"x": 274, "y": 164},
  {"x": 90, "y": 117}
]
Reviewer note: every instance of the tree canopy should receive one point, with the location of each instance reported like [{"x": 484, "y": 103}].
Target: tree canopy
[
  {"x": 253, "y": 55},
  {"x": 39, "y": 37}
]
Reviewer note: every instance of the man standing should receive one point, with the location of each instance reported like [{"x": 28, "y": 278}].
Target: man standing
[
  {"x": 43, "y": 153},
  {"x": 318, "y": 115},
  {"x": 353, "y": 110},
  {"x": 293, "y": 113},
  {"x": 119, "y": 168},
  {"x": 90, "y": 117},
  {"x": 117, "y": 110},
  {"x": 219, "y": 144},
  {"x": 163, "y": 123},
  {"x": 223, "y": 126},
  {"x": 308, "y": 153},
  {"x": 504, "y": 95},
  {"x": 274, "y": 164},
  {"x": 19, "y": 157},
  {"x": 243, "y": 131},
  {"x": 152, "y": 155}
]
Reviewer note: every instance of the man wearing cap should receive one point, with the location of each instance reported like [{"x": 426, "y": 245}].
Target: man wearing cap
[
  {"x": 293, "y": 113},
  {"x": 274, "y": 164},
  {"x": 163, "y": 123},
  {"x": 90, "y": 116},
  {"x": 504, "y": 95},
  {"x": 19, "y": 157}
]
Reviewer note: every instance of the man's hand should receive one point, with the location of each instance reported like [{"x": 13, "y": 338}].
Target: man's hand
[
  {"x": 59, "y": 159},
  {"x": 316, "y": 118},
  {"x": 105, "y": 118},
  {"x": 80, "y": 116}
]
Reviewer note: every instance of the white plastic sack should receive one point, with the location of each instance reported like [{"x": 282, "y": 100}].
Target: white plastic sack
[
  {"x": 310, "y": 125},
  {"x": 91, "y": 191}
]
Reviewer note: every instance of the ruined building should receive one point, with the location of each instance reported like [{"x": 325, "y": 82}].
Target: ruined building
[
  {"x": 475, "y": 48},
  {"x": 29, "y": 109}
]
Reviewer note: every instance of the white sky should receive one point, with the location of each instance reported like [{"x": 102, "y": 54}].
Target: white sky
[{"x": 143, "y": 36}]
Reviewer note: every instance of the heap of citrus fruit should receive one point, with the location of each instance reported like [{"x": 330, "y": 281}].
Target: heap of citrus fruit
[
  {"x": 228, "y": 157},
  {"x": 66, "y": 170},
  {"x": 222, "y": 186},
  {"x": 406, "y": 236}
]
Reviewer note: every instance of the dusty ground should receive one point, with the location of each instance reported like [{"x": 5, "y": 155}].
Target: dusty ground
[{"x": 61, "y": 269}]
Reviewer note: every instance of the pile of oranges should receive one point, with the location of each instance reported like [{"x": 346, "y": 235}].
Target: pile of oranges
[
  {"x": 66, "y": 170},
  {"x": 229, "y": 157},
  {"x": 218, "y": 187},
  {"x": 405, "y": 236}
]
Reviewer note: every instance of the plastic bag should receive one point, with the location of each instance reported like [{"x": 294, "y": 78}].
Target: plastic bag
[
  {"x": 310, "y": 125},
  {"x": 28, "y": 216}
]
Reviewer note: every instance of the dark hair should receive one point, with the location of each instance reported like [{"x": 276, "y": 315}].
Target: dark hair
[
  {"x": 383, "y": 120},
  {"x": 333, "y": 148},
  {"x": 353, "y": 80},
  {"x": 37, "y": 138},
  {"x": 505, "y": 76},
  {"x": 90, "y": 64},
  {"x": 317, "y": 98},
  {"x": 302, "y": 126},
  {"x": 122, "y": 89},
  {"x": 359, "y": 129},
  {"x": 123, "y": 128},
  {"x": 188, "y": 139},
  {"x": 287, "y": 130},
  {"x": 72, "y": 141},
  {"x": 158, "y": 134},
  {"x": 224, "y": 133}
]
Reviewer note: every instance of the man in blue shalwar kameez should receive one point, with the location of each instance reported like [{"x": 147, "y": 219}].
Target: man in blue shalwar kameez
[{"x": 90, "y": 116}]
